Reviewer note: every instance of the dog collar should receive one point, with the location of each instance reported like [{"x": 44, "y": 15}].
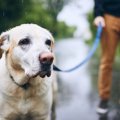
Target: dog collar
[{"x": 24, "y": 86}]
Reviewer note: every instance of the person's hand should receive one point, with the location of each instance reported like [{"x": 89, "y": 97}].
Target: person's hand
[{"x": 99, "y": 20}]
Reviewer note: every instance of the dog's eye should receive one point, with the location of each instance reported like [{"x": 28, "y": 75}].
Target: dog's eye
[
  {"x": 24, "y": 41},
  {"x": 48, "y": 42}
]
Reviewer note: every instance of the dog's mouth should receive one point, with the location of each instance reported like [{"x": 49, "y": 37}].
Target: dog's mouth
[
  {"x": 42, "y": 74},
  {"x": 45, "y": 71}
]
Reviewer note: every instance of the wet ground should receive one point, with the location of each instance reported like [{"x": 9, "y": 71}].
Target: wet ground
[{"x": 77, "y": 91}]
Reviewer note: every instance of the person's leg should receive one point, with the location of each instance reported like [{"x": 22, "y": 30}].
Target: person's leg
[{"x": 109, "y": 42}]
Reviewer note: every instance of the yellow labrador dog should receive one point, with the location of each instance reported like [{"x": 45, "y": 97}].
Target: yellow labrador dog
[{"x": 25, "y": 73}]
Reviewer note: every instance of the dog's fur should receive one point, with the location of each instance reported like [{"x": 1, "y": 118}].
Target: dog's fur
[{"x": 24, "y": 94}]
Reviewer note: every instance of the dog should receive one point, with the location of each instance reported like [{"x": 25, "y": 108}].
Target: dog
[{"x": 26, "y": 76}]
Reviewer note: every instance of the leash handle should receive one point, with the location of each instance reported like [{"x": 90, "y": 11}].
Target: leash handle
[{"x": 90, "y": 54}]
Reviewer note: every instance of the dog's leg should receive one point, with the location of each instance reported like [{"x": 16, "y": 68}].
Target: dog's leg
[
  {"x": 48, "y": 118},
  {"x": 55, "y": 90},
  {"x": 53, "y": 114}
]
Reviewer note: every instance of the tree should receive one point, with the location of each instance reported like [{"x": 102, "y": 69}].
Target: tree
[
  {"x": 10, "y": 12},
  {"x": 41, "y": 12}
]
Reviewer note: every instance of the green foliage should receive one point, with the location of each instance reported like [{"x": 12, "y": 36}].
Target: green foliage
[
  {"x": 54, "y": 6},
  {"x": 64, "y": 30},
  {"x": 92, "y": 27},
  {"x": 10, "y": 12},
  {"x": 41, "y": 12}
]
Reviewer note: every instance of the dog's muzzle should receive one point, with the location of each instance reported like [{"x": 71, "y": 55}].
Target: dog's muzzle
[{"x": 46, "y": 60}]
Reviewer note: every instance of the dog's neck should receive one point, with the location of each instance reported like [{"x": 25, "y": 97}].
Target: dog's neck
[
  {"x": 20, "y": 79},
  {"x": 24, "y": 86}
]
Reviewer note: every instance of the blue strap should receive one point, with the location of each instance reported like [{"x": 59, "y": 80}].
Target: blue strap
[{"x": 90, "y": 54}]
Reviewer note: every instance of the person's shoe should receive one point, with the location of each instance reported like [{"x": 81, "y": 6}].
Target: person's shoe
[{"x": 103, "y": 107}]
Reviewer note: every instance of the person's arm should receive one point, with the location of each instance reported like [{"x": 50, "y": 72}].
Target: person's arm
[
  {"x": 99, "y": 8},
  {"x": 99, "y": 12}
]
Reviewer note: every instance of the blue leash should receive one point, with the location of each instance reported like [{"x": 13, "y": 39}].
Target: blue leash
[{"x": 91, "y": 53}]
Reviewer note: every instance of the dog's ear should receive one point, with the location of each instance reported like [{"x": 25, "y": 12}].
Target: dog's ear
[{"x": 4, "y": 42}]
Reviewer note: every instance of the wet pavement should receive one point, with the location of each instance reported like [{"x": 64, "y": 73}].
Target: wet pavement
[{"x": 77, "y": 91}]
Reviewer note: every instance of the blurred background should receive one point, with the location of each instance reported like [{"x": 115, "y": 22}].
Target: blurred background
[{"x": 71, "y": 23}]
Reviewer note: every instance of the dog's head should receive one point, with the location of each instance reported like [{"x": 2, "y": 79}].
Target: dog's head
[{"x": 29, "y": 48}]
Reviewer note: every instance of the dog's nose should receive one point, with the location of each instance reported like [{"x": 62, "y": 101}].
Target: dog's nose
[{"x": 46, "y": 58}]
